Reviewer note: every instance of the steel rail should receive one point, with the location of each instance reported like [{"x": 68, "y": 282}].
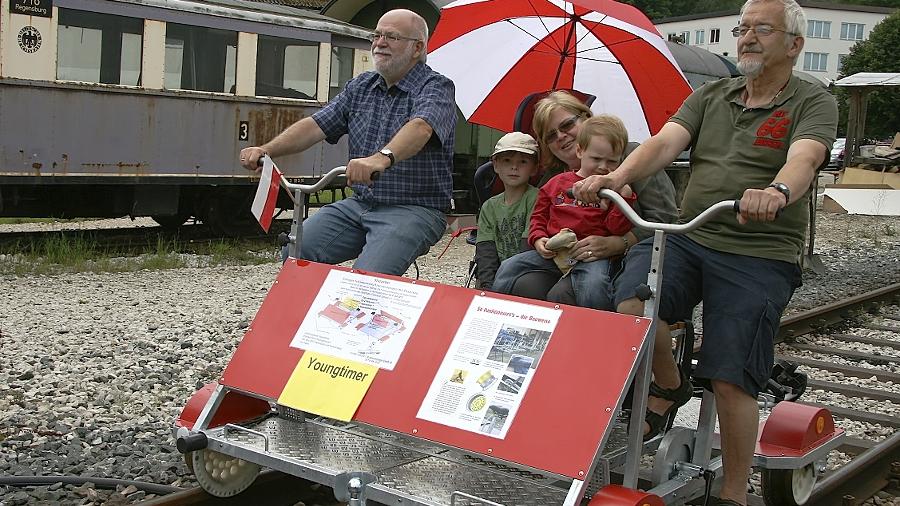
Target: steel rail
[
  {"x": 862, "y": 478},
  {"x": 271, "y": 488},
  {"x": 807, "y": 322}
]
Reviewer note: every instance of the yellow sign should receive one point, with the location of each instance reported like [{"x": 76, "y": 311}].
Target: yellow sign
[{"x": 327, "y": 386}]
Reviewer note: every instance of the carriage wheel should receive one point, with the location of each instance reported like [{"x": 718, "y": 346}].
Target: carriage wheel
[
  {"x": 788, "y": 487},
  {"x": 222, "y": 475}
]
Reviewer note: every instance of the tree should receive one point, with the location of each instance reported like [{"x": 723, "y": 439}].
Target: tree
[{"x": 880, "y": 53}]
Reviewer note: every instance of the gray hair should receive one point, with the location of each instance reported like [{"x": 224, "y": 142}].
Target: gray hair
[
  {"x": 422, "y": 28},
  {"x": 794, "y": 18}
]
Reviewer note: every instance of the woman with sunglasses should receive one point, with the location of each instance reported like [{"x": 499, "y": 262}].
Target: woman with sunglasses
[{"x": 557, "y": 121}]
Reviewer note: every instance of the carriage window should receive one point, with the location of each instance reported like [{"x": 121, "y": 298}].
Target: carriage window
[
  {"x": 202, "y": 59},
  {"x": 99, "y": 48},
  {"x": 341, "y": 69},
  {"x": 286, "y": 68}
]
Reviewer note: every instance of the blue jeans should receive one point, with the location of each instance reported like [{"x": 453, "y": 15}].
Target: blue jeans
[
  {"x": 590, "y": 280},
  {"x": 382, "y": 238}
]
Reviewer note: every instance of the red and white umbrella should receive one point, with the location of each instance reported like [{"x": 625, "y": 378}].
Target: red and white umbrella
[{"x": 499, "y": 51}]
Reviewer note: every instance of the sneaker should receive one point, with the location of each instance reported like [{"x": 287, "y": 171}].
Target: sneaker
[{"x": 472, "y": 238}]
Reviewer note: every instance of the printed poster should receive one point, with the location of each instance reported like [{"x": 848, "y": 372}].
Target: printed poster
[
  {"x": 490, "y": 363},
  {"x": 362, "y": 318}
]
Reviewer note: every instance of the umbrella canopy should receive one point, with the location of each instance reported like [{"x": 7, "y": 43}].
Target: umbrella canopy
[{"x": 499, "y": 51}]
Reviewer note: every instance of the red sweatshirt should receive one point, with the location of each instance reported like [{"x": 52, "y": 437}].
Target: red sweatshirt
[{"x": 554, "y": 210}]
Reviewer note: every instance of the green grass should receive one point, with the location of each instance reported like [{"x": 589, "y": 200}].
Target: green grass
[
  {"x": 17, "y": 221},
  {"x": 65, "y": 254}
]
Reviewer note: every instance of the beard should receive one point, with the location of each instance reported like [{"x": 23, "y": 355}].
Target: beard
[
  {"x": 391, "y": 68},
  {"x": 750, "y": 68}
]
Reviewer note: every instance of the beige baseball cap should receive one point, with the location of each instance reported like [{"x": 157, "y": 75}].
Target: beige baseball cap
[{"x": 516, "y": 141}]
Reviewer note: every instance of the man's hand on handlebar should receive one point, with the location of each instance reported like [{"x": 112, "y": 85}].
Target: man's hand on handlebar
[
  {"x": 586, "y": 190},
  {"x": 761, "y": 205},
  {"x": 366, "y": 170},
  {"x": 250, "y": 157}
]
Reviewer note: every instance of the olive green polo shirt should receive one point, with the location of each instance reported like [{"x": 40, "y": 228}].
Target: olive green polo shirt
[{"x": 734, "y": 148}]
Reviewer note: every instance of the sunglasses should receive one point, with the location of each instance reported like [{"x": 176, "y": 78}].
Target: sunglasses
[{"x": 565, "y": 127}]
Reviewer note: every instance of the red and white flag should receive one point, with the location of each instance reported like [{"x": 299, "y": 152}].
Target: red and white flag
[{"x": 263, "y": 207}]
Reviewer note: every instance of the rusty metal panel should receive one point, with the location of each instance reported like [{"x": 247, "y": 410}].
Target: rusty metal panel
[{"x": 75, "y": 130}]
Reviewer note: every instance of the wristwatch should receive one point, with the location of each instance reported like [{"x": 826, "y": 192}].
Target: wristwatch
[
  {"x": 390, "y": 154},
  {"x": 783, "y": 188}
]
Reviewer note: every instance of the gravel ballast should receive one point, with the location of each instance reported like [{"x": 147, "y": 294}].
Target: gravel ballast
[{"x": 94, "y": 367}]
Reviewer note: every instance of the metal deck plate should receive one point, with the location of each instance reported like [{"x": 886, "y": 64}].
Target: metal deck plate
[{"x": 407, "y": 468}]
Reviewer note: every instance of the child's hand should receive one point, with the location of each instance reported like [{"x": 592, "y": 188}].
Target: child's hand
[
  {"x": 626, "y": 191},
  {"x": 541, "y": 247}
]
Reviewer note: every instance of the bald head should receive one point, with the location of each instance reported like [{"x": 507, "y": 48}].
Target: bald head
[{"x": 410, "y": 24}]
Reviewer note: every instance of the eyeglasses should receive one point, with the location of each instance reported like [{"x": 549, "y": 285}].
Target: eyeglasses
[
  {"x": 390, "y": 36},
  {"x": 759, "y": 30},
  {"x": 565, "y": 127}
]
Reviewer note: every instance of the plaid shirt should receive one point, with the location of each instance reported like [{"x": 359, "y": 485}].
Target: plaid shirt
[{"x": 372, "y": 114}]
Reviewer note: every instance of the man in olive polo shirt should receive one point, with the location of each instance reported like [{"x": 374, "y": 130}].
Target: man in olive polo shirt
[{"x": 759, "y": 138}]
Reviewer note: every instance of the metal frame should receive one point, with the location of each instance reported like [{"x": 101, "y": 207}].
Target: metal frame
[{"x": 387, "y": 466}]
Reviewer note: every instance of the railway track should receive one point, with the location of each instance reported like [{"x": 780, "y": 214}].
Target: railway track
[{"x": 874, "y": 463}]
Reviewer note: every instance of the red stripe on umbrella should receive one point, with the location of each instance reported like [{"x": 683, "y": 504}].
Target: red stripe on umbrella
[
  {"x": 521, "y": 81},
  {"x": 624, "y": 12}
]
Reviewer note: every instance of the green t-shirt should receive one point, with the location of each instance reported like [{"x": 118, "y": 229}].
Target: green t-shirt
[
  {"x": 506, "y": 225},
  {"x": 734, "y": 148}
]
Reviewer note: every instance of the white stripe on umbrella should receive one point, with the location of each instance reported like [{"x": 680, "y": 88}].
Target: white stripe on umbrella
[
  {"x": 483, "y": 73},
  {"x": 619, "y": 97}
]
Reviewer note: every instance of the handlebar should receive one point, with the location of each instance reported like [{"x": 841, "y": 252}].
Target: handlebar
[
  {"x": 700, "y": 219},
  {"x": 318, "y": 185}
]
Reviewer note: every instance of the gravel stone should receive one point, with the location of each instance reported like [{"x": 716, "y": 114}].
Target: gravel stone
[{"x": 95, "y": 367}]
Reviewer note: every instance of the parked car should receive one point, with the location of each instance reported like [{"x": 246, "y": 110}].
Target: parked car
[{"x": 837, "y": 152}]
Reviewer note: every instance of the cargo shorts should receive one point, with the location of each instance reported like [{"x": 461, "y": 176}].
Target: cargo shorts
[{"x": 743, "y": 298}]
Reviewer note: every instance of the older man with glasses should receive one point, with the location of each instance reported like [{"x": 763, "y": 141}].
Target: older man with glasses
[
  {"x": 759, "y": 138},
  {"x": 401, "y": 121}
]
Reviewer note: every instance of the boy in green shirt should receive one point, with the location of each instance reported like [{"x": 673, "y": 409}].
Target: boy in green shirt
[{"x": 504, "y": 218}]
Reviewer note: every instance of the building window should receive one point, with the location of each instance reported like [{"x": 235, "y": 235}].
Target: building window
[
  {"x": 815, "y": 62},
  {"x": 700, "y": 37},
  {"x": 841, "y": 58},
  {"x": 99, "y": 48},
  {"x": 686, "y": 37},
  {"x": 341, "y": 69},
  {"x": 287, "y": 68},
  {"x": 818, "y": 29},
  {"x": 202, "y": 59},
  {"x": 852, "y": 31},
  {"x": 714, "y": 36},
  {"x": 672, "y": 37}
]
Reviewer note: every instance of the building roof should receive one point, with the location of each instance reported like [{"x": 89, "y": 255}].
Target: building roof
[
  {"x": 870, "y": 79},
  {"x": 803, "y": 3}
]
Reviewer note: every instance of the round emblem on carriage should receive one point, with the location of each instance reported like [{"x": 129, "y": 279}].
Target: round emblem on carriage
[{"x": 29, "y": 39}]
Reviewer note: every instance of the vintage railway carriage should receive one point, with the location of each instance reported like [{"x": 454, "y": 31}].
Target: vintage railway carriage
[{"x": 119, "y": 107}]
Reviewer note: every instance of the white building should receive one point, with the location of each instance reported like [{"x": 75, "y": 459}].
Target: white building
[{"x": 831, "y": 31}]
